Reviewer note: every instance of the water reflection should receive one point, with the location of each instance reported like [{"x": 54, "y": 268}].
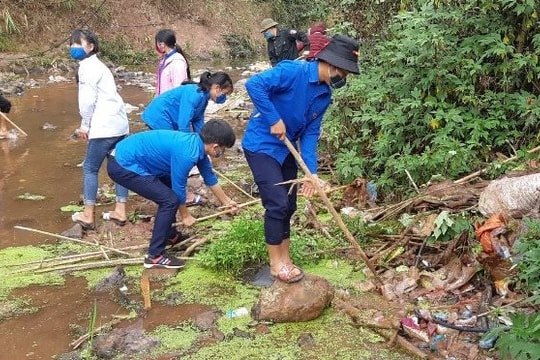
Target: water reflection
[{"x": 45, "y": 163}]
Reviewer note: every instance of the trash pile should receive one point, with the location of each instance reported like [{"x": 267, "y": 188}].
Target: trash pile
[{"x": 449, "y": 293}]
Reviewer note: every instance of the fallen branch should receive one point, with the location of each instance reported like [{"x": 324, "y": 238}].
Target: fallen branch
[
  {"x": 93, "y": 265},
  {"x": 233, "y": 184},
  {"x": 481, "y": 171},
  {"x": 49, "y": 263},
  {"x": 333, "y": 211},
  {"x": 192, "y": 248},
  {"x": 75, "y": 344},
  {"x": 74, "y": 240},
  {"x": 256, "y": 201}
]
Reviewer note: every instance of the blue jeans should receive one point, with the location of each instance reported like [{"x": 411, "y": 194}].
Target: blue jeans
[
  {"x": 96, "y": 152},
  {"x": 278, "y": 203},
  {"x": 152, "y": 188}
]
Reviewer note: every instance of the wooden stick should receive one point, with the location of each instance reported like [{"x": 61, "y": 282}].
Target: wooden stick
[
  {"x": 233, "y": 184},
  {"x": 251, "y": 202},
  {"x": 412, "y": 181},
  {"x": 480, "y": 172},
  {"x": 333, "y": 211},
  {"x": 297, "y": 181},
  {"x": 12, "y": 123},
  {"x": 71, "y": 239}
]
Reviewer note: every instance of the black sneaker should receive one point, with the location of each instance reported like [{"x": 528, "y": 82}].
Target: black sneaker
[
  {"x": 176, "y": 239},
  {"x": 163, "y": 261}
]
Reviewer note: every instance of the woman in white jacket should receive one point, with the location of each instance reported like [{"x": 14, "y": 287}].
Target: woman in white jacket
[{"x": 104, "y": 123}]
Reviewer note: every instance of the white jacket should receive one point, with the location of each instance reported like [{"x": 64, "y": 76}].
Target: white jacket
[{"x": 102, "y": 109}]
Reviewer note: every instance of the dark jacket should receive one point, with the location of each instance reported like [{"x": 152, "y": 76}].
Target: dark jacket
[
  {"x": 5, "y": 105},
  {"x": 283, "y": 46}
]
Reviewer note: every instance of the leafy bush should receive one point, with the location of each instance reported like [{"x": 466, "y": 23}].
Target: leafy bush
[
  {"x": 527, "y": 249},
  {"x": 240, "y": 47},
  {"x": 522, "y": 339},
  {"x": 120, "y": 51},
  {"x": 241, "y": 244},
  {"x": 447, "y": 87}
]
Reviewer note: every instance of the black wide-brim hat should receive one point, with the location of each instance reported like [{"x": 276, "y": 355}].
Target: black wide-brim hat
[{"x": 342, "y": 52}]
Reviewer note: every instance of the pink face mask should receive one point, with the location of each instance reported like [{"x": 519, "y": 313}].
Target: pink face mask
[{"x": 159, "y": 49}]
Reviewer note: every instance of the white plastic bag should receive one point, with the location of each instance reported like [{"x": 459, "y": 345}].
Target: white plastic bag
[{"x": 515, "y": 197}]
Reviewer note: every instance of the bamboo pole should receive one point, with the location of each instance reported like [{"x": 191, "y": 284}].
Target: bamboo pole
[
  {"x": 12, "y": 123},
  {"x": 71, "y": 239},
  {"x": 251, "y": 202},
  {"x": 333, "y": 211},
  {"x": 481, "y": 171},
  {"x": 233, "y": 184}
]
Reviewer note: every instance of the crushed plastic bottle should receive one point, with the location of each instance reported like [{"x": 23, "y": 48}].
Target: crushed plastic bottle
[{"x": 237, "y": 312}]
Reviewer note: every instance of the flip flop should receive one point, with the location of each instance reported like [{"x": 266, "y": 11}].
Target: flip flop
[
  {"x": 84, "y": 225},
  {"x": 107, "y": 216},
  {"x": 285, "y": 274}
]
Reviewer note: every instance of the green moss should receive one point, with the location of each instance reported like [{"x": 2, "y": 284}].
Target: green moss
[
  {"x": 203, "y": 286},
  {"x": 181, "y": 337},
  {"x": 12, "y": 276},
  {"x": 340, "y": 273}
]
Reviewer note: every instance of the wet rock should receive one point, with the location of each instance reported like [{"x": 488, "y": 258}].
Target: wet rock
[
  {"x": 206, "y": 320},
  {"x": 301, "y": 301},
  {"x": 242, "y": 334},
  {"x": 75, "y": 232},
  {"x": 114, "y": 281},
  {"x": 306, "y": 341},
  {"x": 48, "y": 126},
  {"x": 126, "y": 341}
]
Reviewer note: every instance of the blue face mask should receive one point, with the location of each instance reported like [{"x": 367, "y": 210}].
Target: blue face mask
[
  {"x": 268, "y": 35},
  {"x": 77, "y": 52},
  {"x": 221, "y": 98}
]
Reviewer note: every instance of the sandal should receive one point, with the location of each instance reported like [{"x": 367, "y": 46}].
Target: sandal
[
  {"x": 84, "y": 225},
  {"x": 107, "y": 216},
  {"x": 197, "y": 200},
  {"x": 285, "y": 274}
]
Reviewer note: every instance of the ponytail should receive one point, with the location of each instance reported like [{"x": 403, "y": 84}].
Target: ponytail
[
  {"x": 220, "y": 78},
  {"x": 181, "y": 52}
]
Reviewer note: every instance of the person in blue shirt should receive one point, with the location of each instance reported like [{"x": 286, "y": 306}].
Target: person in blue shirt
[
  {"x": 146, "y": 161},
  {"x": 290, "y": 101},
  {"x": 182, "y": 108}
]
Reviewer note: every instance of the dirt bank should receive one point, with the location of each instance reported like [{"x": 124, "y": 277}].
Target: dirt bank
[{"x": 40, "y": 29}]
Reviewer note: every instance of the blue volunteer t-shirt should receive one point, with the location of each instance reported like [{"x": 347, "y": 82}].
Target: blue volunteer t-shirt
[{"x": 166, "y": 152}]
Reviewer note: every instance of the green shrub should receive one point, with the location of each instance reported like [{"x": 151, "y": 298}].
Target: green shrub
[
  {"x": 240, "y": 47},
  {"x": 521, "y": 340},
  {"x": 447, "y": 87},
  {"x": 120, "y": 51},
  {"x": 527, "y": 249},
  {"x": 241, "y": 244}
]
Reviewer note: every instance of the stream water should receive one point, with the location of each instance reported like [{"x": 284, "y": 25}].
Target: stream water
[{"x": 45, "y": 163}]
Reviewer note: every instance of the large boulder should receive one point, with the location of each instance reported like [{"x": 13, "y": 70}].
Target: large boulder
[{"x": 301, "y": 301}]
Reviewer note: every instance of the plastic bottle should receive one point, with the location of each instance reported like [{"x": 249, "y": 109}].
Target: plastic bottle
[{"x": 237, "y": 312}]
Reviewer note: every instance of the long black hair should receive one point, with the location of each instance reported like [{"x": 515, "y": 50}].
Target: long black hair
[
  {"x": 207, "y": 79},
  {"x": 168, "y": 37}
]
